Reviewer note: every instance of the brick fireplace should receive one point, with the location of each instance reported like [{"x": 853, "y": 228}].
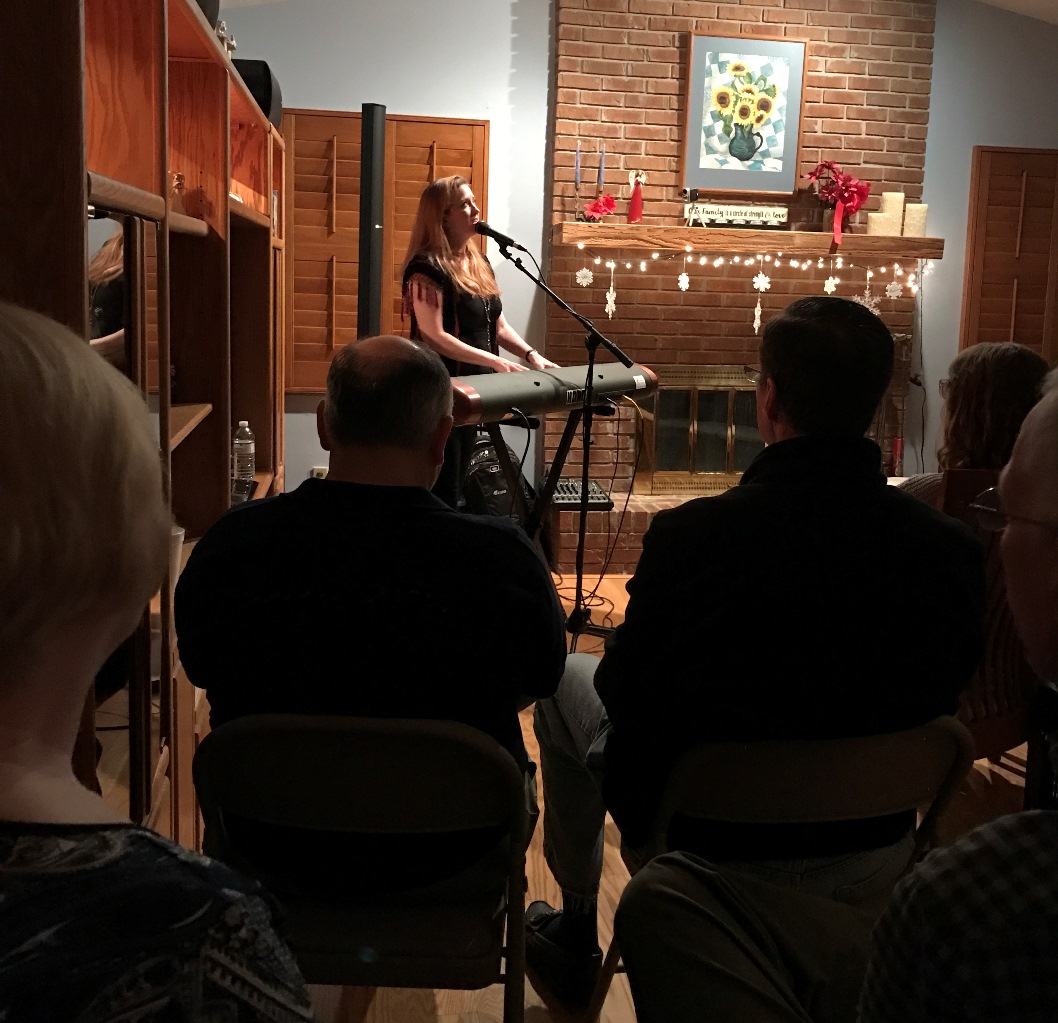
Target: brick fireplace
[{"x": 620, "y": 81}]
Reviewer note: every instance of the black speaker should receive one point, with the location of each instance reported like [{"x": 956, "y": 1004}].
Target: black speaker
[
  {"x": 211, "y": 9},
  {"x": 263, "y": 87}
]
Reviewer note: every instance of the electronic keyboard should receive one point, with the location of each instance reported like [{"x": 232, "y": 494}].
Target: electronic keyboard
[{"x": 492, "y": 397}]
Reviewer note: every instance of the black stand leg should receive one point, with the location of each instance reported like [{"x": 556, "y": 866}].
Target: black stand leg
[
  {"x": 553, "y": 475},
  {"x": 580, "y": 618}
]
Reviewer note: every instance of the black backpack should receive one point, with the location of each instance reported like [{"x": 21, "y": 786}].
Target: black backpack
[
  {"x": 485, "y": 492},
  {"x": 485, "y": 489}
]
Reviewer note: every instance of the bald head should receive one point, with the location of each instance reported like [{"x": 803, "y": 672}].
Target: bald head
[
  {"x": 386, "y": 392},
  {"x": 1029, "y": 492}
]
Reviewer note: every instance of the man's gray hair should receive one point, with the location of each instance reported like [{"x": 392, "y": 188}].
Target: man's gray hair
[{"x": 391, "y": 392}]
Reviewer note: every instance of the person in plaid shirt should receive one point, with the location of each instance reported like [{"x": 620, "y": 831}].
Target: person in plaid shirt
[{"x": 972, "y": 933}]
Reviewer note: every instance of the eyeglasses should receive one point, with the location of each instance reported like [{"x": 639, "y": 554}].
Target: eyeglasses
[
  {"x": 988, "y": 510},
  {"x": 944, "y": 385},
  {"x": 753, "y": 374}
]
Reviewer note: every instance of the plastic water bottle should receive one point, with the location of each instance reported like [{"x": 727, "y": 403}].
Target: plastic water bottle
[{"x": 243, "y": 452}]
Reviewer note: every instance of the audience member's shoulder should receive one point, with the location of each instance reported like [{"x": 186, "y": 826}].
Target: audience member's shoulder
[
  {"x": 925, "y": 487},
  {"x": 691, "y": 514},
  {"x": 247, "y": 523},
  {"x": 916, "y": 514},
  {"x": 489, "y": 529},
  {"x": 238, "y": 515},
  {"x": 167, "y": 860},
  {"x": 1018, "y": 835},
  {"x": 146, "y": 868},
  {"x": 1007, "y": 866}
]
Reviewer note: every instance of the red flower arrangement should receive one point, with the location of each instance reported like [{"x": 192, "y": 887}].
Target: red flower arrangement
[
  {"x": 840, "y": 190},
  {"x": 599, "y": 208}
]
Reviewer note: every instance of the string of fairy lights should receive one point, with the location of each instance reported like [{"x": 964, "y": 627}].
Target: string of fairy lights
[{"x": 897, "y": 278}]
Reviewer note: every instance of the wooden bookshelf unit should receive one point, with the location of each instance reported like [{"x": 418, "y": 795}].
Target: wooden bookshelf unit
[{"x": 104, "y": 101}]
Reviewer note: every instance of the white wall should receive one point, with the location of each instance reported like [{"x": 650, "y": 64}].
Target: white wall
[
  {"x": 445, "y": 58},
  {"x": 980, "y": 55}
]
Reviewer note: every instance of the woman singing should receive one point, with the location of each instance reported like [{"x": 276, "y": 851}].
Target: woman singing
[{"x": 451, "y": 295}]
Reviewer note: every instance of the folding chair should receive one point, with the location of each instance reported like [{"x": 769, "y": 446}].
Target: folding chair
[
  {"x": 333, "y": 775},
  {"x": 808, "y": 781}
]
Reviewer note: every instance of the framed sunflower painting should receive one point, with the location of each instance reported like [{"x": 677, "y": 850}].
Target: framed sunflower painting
[{"x": 743, "y": 114}]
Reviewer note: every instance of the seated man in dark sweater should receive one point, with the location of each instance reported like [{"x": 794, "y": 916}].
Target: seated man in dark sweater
[
  {"x": 810, "y": 601},
  {"x": 362, "y": 594}
]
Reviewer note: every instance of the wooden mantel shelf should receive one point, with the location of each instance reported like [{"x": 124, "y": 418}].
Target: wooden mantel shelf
[{"x": 730, "y": 240}]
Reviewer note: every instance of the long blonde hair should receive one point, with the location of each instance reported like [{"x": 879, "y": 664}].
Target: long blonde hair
[
  {"x": 428, "y": 238},
  {"x": 109, "y": 262}
]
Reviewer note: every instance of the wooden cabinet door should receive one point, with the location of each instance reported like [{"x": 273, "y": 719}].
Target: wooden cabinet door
[
  {"x": 1011, "y": 284},
  {"x": 323, "y": 209}
]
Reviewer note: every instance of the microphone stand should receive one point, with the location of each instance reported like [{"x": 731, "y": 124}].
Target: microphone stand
[{"x": 580, "y": 618}]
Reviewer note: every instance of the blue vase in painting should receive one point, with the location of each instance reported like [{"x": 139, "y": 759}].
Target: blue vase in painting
[{"x": 742, "y": 146}]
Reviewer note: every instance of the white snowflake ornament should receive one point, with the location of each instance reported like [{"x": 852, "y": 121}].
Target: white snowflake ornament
[
  {"x": 584, "y": 277},
  {"x": 683, "y": 281},
  {"x": 830, "y": 285},
  {"x": 868, "y": 300},
  {"x": 762, "y": 282},
  {"x": 756, "y": 317},
  {"x": 611, "y": 302},
  {"x": 894, "y": 289}
]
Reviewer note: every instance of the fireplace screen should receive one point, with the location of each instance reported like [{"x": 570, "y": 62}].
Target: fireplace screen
[{"x": 700, "y": 431}]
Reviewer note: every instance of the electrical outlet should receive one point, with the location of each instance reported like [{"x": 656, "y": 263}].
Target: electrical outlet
[{"x": 318, "y": 472}]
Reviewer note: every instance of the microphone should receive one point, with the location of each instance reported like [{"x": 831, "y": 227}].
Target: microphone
[{"x": 504, "y": 241}]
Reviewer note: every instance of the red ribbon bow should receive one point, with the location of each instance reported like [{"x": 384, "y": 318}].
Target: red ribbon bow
[{"x": 846, "y": 193}]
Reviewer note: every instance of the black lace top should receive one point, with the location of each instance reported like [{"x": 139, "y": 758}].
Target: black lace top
[{"x": 468, "y": 317}]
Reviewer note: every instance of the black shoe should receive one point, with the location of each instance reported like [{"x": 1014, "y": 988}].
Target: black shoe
[{"x": 563, "y": 972}]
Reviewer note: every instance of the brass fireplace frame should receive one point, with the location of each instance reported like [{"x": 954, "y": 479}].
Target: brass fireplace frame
[{"x": 649, "y": 481}]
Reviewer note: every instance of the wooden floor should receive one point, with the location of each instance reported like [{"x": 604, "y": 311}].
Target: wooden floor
[{"x": 990, "y": 792}]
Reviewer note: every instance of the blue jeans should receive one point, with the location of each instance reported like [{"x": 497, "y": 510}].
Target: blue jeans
[{"x": 572, "y": 729}]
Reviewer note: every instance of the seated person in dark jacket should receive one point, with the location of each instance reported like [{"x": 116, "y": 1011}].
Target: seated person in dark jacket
[
  {"x": 810, "y": 601},
  {"x": 362, "y": 593},
  {"x": 100, "y": 919}
]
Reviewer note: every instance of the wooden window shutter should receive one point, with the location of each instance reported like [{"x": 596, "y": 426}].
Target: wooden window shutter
[
  {"x": 420, "y": 150},
  {"x": 1011, "y": 281},
  {"x": 323, "y": 175},
  {"x": 323, "y": 171}
]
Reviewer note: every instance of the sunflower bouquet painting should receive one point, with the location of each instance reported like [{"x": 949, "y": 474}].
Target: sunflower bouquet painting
[
  {"x": 744, "y": 104},
  {"x": 743, "y": 114}
]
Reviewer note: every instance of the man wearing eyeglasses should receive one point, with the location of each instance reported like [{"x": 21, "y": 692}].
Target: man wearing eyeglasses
[
  {"x": 810, "y": 601},
  {"x": 971, "y": 933}
]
